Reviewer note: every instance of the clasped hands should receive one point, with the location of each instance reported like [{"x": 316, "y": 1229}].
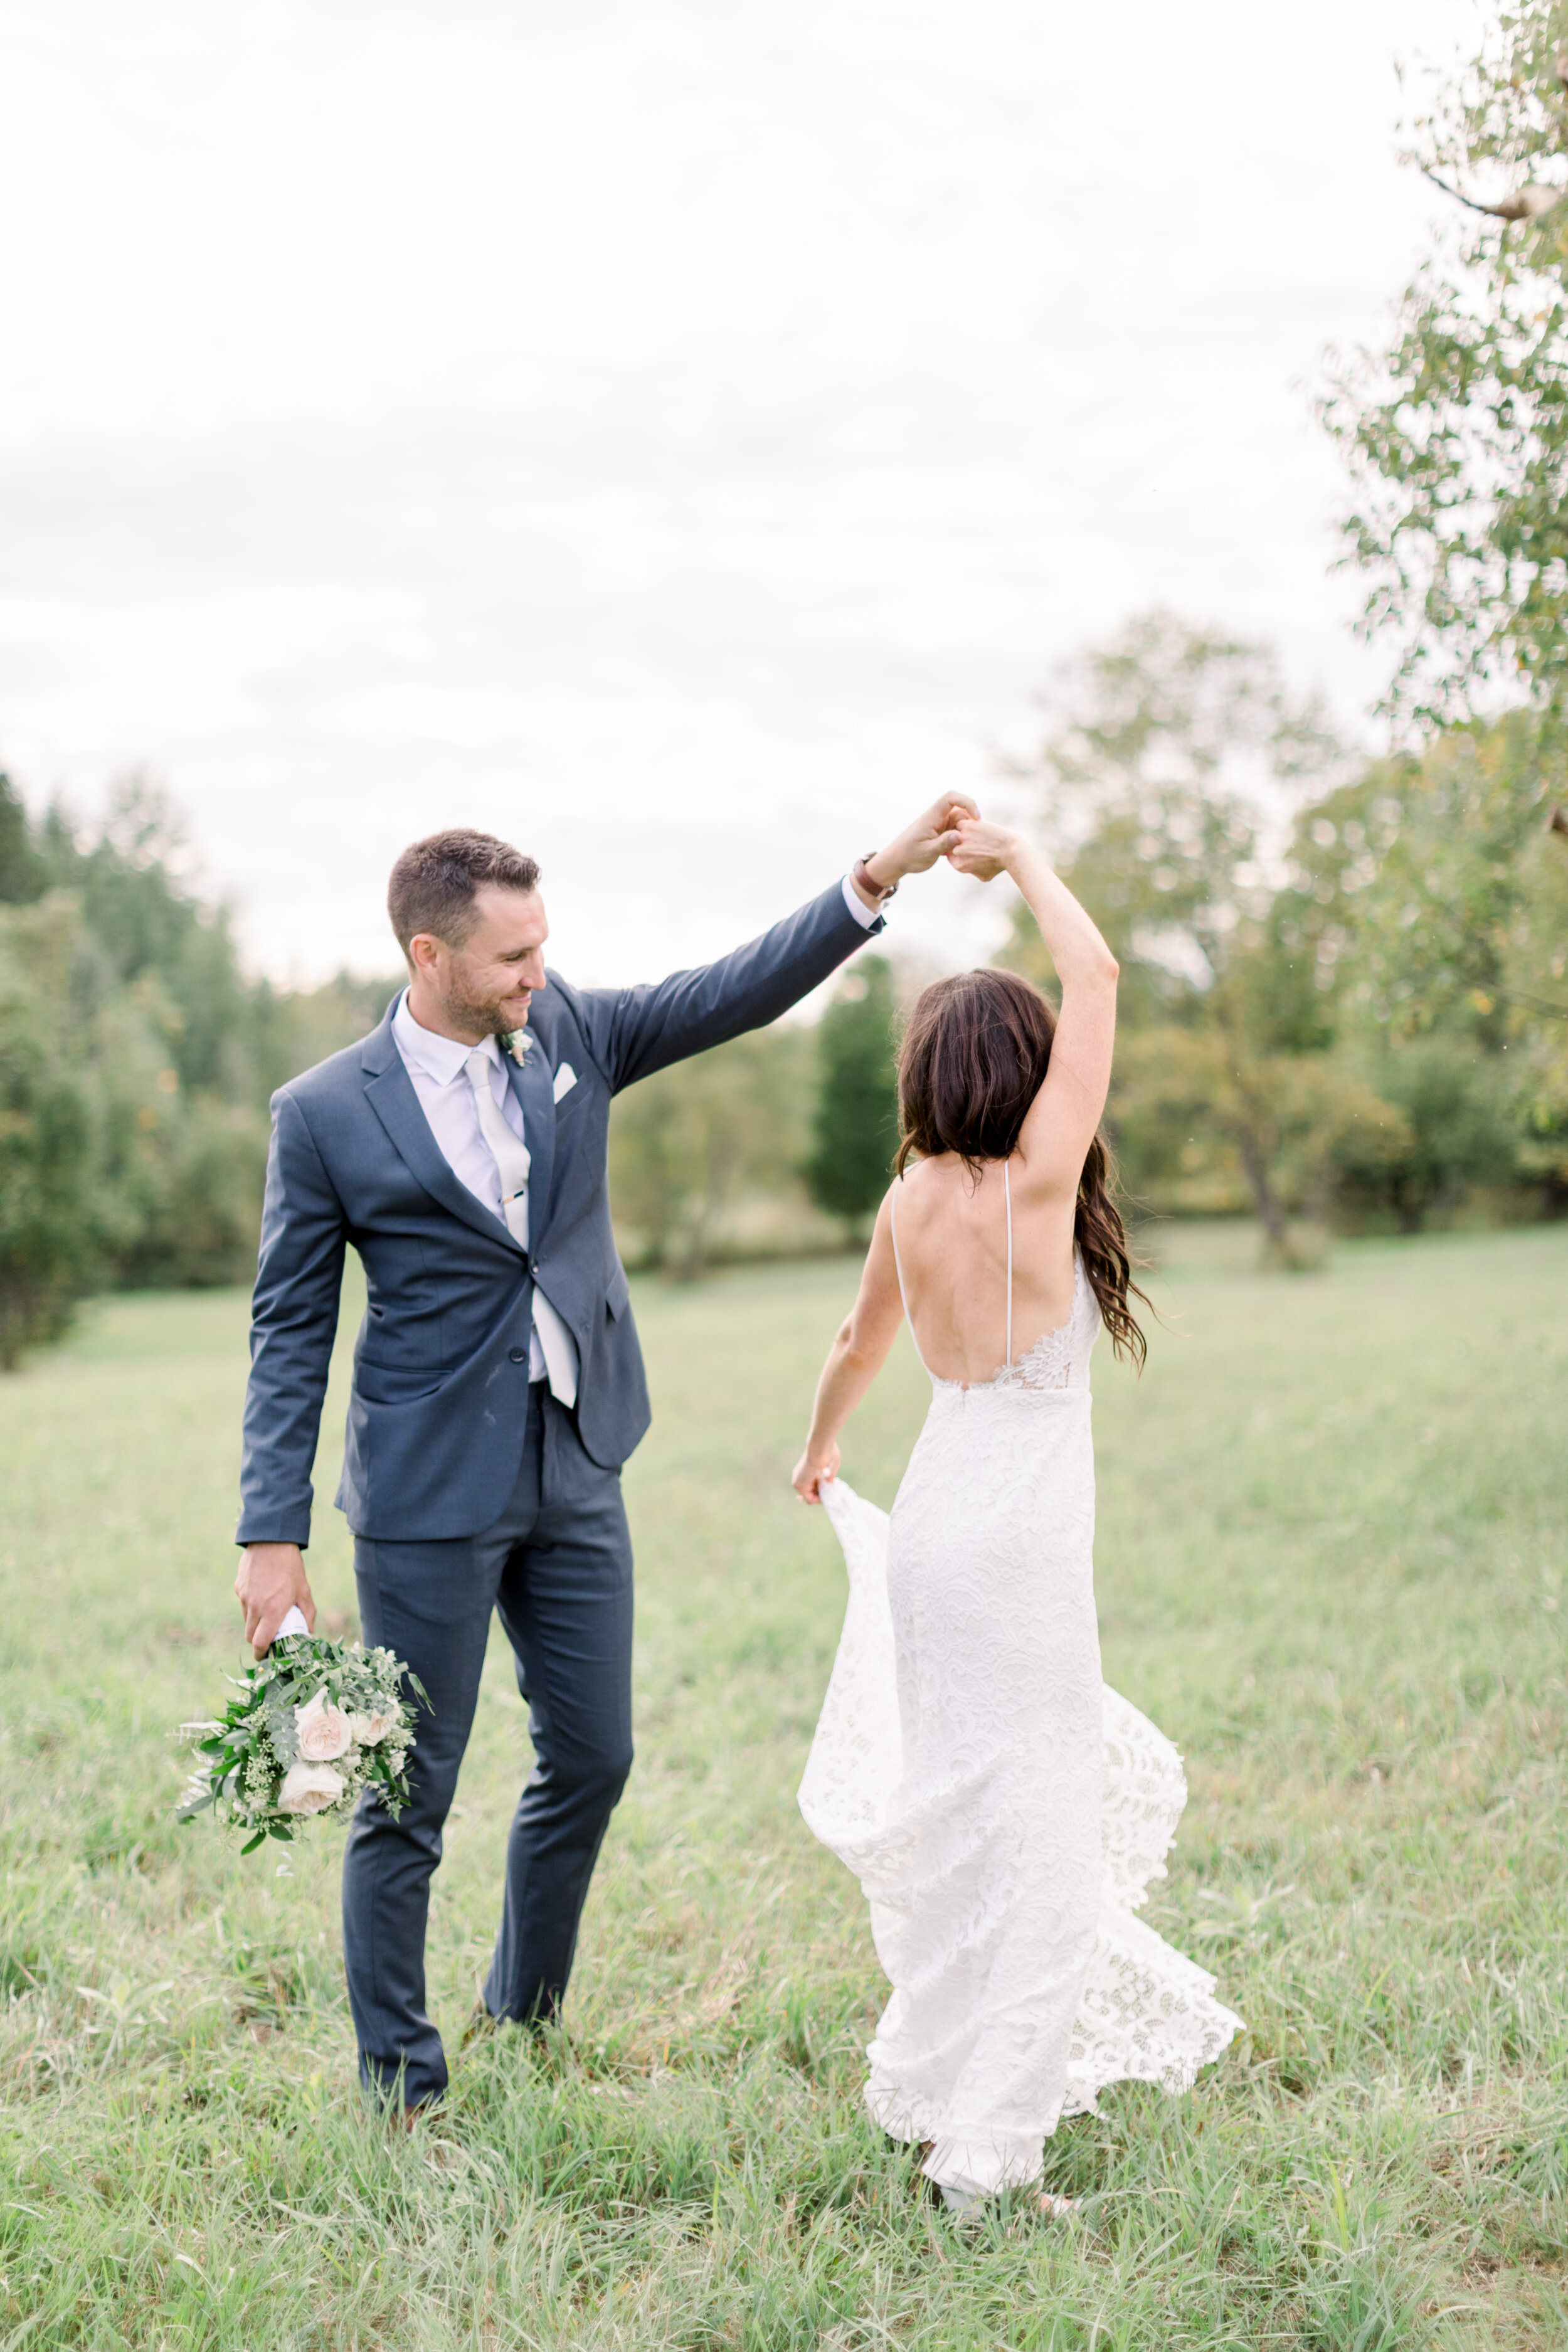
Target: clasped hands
[{"x": 952, "y": 828}]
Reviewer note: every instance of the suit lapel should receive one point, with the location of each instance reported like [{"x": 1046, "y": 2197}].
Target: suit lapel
[
  {"x": 533, "y": 1084},
  {"x": 389, "y": 1090}
]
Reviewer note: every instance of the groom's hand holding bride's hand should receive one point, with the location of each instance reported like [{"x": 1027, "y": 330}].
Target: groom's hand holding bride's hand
[
  {"x": 272, "y": 1580},
  {"x": 810, "y": 1469},
  {"x": 933, "y": 834},
  {"x": 982, "y": 850}
]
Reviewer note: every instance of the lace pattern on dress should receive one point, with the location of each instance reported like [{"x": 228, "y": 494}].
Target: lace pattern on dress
[
  {"x": 1004, "y": 1812},
  {"x": 1058, "y": 1359}
]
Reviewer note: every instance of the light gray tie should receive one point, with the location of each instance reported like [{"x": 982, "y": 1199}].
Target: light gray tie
[
  {"x": 512, "y": 1163},
  {"x": 508, "y": 1150}
]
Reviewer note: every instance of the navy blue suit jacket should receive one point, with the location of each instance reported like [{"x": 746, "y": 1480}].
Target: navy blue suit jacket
[{"x": 441, "y": 1368}]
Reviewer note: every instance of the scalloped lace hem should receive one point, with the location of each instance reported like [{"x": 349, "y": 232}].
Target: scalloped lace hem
[{"x": 974, "y": 1920}]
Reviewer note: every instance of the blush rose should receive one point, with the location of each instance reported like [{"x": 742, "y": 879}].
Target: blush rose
[
  {"x": 322, "y": 1730},
  {"x": 310, "y": 1789},
  {"x": 369, "y": 1730}
]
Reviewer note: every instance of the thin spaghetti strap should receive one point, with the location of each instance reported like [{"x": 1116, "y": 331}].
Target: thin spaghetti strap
[
  {"x": 903, "y": 1293},
  {"x": 1007, "y": 1189}
]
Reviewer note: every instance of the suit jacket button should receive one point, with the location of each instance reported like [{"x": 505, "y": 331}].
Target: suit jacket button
[{"x": 519, "y": 1355}]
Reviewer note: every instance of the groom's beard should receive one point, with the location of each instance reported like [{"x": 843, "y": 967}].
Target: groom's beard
[{"x": 490, "y": 1016}]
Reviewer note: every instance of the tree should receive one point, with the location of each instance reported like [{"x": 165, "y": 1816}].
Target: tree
[
  {"x": 1456, "y": 435},
  {"x": 1169, "y": 754},
  {"x": 136, "y": 1059},
  {"x": 854, "y": 1132},
  {"x": 687, "y": 1144},
  {"x": 1431, "y": 900},
  {"x": 55, "y": 1217},
  {"x": 1535, "y": 977},
  {"x": 1168, "y": 778},
  {"x": 1293, "y": 1125},
  {"x": 24, "y": 876},
  {"x": 135, "y": 882}
]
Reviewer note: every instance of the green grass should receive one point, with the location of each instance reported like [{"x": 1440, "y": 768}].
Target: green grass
[{"x": 1329, "y": 1564}]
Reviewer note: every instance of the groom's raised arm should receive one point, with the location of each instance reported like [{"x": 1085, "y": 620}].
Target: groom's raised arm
[{"x": 635, "y": 1031}]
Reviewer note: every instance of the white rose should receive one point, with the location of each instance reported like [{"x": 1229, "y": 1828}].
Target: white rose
[
  {"x": 322, "y": 1730},
  {"x": 369, "y": 1730},
  {"x": 310, "y": 1789}
]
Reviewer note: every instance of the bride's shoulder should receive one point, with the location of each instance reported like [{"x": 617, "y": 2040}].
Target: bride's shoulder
[
  {"x": 918, "y": 1186},
  {"x": 930, "y": 1174}
]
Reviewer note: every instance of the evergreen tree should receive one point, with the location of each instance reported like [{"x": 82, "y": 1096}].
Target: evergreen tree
[
  {"x": 24, "y": 876},
  {"x": 856, "y": 1124}
]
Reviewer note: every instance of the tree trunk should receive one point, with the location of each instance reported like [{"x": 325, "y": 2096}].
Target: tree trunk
[{"x": 1270, "y": 1215}]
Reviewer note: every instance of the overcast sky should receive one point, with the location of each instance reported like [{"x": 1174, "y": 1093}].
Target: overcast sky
[{"x": 679, "y": 437}]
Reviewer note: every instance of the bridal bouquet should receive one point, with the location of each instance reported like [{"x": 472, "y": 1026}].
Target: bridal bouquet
[{"x": 308, "y": 1727}]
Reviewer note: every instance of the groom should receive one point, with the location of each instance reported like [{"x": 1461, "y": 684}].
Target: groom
[{"x": 498, "y": 1385}]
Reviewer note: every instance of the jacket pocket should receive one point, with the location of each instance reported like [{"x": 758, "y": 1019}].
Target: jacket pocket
[{"x": 395, "y": 1384}]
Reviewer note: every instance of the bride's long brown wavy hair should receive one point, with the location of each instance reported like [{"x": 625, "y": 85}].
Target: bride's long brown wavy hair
[{"x": 975, "y": 1056}]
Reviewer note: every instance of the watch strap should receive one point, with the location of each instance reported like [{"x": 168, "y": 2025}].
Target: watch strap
[{"x": 860, "y": 875}]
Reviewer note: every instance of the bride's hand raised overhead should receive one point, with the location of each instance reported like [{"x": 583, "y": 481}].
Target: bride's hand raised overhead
[{"x": 983, "y": 850}]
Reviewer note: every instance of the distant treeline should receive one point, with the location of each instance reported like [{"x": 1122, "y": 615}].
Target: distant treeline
[
  {"x": 1343, "y": 1003},
  {"x": 137, "y": 1060}
]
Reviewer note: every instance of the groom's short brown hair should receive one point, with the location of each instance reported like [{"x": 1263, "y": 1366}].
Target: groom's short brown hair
[{"x": 433, "y": 883}]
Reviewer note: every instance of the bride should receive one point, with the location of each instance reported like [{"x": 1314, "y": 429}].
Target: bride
[{"x": 1003, "y": 1809}]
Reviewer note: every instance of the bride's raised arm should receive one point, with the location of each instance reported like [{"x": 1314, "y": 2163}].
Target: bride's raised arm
[{"x": 1061, "y": 1121}]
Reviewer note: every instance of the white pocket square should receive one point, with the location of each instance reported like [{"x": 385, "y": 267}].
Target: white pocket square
[{"x": 565, "y": 1079}]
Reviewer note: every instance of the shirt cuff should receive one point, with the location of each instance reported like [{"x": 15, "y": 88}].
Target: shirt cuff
[{"x": 868, "y": 917}]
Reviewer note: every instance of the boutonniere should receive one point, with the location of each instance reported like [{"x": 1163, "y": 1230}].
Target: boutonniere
[{"x": 517, "y": 1042}]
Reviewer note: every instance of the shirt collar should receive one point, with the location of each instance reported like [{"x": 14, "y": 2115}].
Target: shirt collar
[{"x": 441, "y": 1058}]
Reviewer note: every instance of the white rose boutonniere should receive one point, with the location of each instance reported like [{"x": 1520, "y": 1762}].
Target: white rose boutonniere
[{"x": 517, "y": 1042}]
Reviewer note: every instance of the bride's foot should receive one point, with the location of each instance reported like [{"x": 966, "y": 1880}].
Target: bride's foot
[{"x": 967, "y": 2205}]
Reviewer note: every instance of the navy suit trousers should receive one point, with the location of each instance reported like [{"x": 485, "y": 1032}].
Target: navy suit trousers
[{"x": 557, "y": 1565}]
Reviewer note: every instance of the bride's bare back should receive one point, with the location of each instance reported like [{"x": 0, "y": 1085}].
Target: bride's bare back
[{"x": 952, "y": 1244}]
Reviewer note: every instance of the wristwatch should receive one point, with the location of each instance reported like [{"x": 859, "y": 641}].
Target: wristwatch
[{"x": 860, "y": 875}]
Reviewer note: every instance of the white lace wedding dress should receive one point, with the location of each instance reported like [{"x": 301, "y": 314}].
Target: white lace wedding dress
[{"x": 1004, "y": 1811}]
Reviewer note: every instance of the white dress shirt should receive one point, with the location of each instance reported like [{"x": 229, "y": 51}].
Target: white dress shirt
[
  {"x": 865, "y": 916},
  {"x": 439, "y": 1069}
]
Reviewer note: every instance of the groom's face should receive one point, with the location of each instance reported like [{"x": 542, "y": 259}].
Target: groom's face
[{"x": 486, "y": 985}]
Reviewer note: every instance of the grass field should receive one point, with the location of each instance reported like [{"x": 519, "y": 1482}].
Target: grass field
[{"x": 1329, "y": 1564}]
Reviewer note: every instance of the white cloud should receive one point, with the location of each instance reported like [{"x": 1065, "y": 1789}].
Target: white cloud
[{"x": 681, "y": 438}]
